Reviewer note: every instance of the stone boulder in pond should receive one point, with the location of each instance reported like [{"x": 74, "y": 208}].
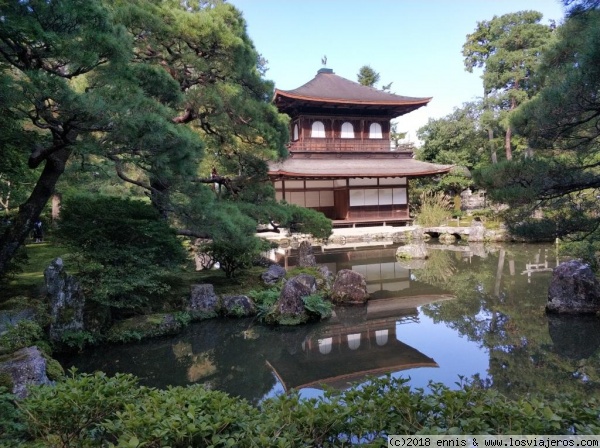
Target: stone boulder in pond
[
  {"x": 203, "y": 301},
  {"x": 66, "y": 300},
  {"x": 349, "y": 288},
  {"x": 574, "y": 289},
  {"x": 476, "y": 231},
  {"x": 238, "y": 306},
  {"x": 289, "y": 308},
  {"x": 273, "y": 274},
  {"x": 23, "y": 368},
  {"x": 412, "y": 252},
  {"x": 306, "y": 258}
]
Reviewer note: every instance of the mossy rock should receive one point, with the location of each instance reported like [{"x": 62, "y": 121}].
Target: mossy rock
[{"x": 142, "y": 327}]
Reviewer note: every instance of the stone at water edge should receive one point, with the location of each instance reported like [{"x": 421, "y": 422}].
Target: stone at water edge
[
  {"x": 350, "y": 288},
  {"x": 290, "y": 305},
  {"x": 25, "y": 367},
  {"x": 412, "y": 251},
  {"x": 203, "y": 300},
  {"x": 574, "y": 289}
]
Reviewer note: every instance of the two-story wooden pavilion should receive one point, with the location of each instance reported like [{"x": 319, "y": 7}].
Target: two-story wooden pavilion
[{"x": 341, "y": 160}]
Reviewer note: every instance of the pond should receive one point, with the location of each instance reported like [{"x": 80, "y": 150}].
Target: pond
[{"x": 470, "y": 312}]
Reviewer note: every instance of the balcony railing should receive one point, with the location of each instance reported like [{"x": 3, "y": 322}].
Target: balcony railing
[{"x": 347, "y": 145}]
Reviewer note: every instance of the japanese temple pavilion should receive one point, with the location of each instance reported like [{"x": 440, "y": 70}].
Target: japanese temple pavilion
[{"x": 341, "y": 161}]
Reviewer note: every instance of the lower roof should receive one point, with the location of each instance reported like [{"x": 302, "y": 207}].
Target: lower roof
[{"x": 357, "y": 167}]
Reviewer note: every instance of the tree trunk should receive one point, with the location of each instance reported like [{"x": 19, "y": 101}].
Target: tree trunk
[
  {"x": 492, "y": 147},
  {"x": 507, "y": 145},
  {"x": 16, "y": 234}
]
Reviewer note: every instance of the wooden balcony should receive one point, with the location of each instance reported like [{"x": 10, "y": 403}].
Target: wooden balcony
[{"x": 347, "y": 145}]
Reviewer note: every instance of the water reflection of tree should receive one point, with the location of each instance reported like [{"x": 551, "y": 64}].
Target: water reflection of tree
[{"x": 499, "y": 309}]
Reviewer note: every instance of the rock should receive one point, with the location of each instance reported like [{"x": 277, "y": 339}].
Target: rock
[
  {"x": 203, "y": 301},
  {"x": 574, "y": 289},
  {"x": 327, "y": 278},
  {"x": 476, "y": 231},
  {"x": 447, "y": 238},
  {"x": 66, "y": 301},
  {"x": 412, "y": 251},
  {"x": 306, "y": 257},
  {"x": 238, "y": 306},
  {"x": 25, "y": 367},
  {"x": 349, "y": 288},
  {"x": 289, "y": 308},
  {"x": 417, "y": 235},
  {"x": 273, "y": 274}
]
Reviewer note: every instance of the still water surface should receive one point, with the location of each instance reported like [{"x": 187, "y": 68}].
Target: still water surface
[{"x": 473, "y": 312}]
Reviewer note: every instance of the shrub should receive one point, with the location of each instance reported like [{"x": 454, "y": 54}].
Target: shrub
[
  {"x": 71, "y": 412},
  {"x": 435, "y": 209},
  {"x": 122, "y": 248},
  {"x": 12, "y": 427},
  {"x": 94, "y": 410},
  {"x": 24, "y": 334},
  {"x": 317, "y": 305}
]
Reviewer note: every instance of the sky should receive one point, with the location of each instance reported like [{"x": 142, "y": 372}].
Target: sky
[{"x": 415, "y": 44}]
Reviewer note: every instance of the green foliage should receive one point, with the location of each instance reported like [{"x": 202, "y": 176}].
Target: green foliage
[
  {"x": 308, "y": 221},
  {"x": 86, "y": 410},
  {"x": 508, "y": 49},
  {"x": 555, "y": 194},
  {"x": 78, "y": 339},
  {"x": 234, "y": 244},
  {"x": 121, "y": 247},
  {"x": 71, "y": 413},
  {"x": 367, "y": 76},
  {"x": 24, "y": 334},
  {"x": 264, "y": 301},
  {"x": 318, "y": 305},
  {"x": 435, "y": 209},
  {"x": 54, "y": 371},
  {"x": 457, "y": 139},
  {"x": 12, "y": 427}
]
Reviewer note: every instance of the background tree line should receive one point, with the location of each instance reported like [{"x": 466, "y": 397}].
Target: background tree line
[{"x": 540, "y": 104}]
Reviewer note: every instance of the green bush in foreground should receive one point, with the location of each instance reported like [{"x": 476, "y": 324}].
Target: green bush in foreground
[{"x": 95, "y": 410}]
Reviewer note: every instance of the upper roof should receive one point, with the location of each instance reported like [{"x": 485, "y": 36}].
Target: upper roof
[{"x": 329, "y": 89}]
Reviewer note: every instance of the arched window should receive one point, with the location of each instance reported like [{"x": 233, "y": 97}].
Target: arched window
[
  {"x": 347, "y": 130},
  {"x": 325, "y": 345},
  {"x": 317, "y": 130},
  {"x": 353, "y": 341},
  {"x": 375, "y": 131},
  {"x": 295, "y": 137},
  {"x": 381, "y": 336}
]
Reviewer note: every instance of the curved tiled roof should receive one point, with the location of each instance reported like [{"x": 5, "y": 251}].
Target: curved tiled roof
[
  {"x": 327, "y": 87},
  {"x": 360, "y": 167}
]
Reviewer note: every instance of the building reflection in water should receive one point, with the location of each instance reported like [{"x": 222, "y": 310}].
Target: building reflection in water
[{"x": 358, "y": 342}]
